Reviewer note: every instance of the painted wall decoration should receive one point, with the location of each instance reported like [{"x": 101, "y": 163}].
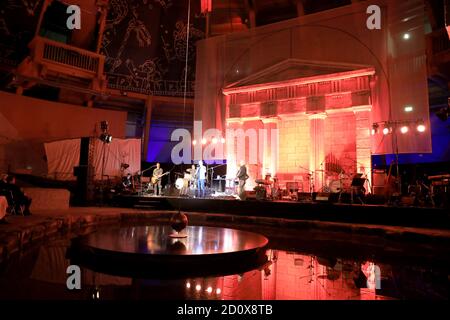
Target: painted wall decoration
[
  {"x": 145, "y": 45},
  {"x": 18, "y": 20},
  {"x": 144, "y": 42}
]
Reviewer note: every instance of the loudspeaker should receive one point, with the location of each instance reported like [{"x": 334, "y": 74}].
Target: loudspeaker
[{"x": 322, "y": 197}]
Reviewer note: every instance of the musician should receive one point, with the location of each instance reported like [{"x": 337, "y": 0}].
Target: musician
[
  {"x": 157, "y": 174},
  {"x": 200, "y": 175},
  {"x": 242, "y": 176},
  {"x": 193, "y": 179}
]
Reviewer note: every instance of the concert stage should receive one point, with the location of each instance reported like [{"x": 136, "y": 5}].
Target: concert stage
[
  {"x": 149, "y": 251},
  {"x": 404, "y": 216}
]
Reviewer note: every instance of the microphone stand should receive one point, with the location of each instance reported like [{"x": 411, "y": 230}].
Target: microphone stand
[{"x": 212, "y": 174}]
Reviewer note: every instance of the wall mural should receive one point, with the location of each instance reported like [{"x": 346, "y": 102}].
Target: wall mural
[
  {"x": 18, "y": 20},
  {"x": 145, "y": 46},
  {"x": 144, "y": 42}
]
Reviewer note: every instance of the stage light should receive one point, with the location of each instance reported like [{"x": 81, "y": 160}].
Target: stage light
[
  {"x": 406, "y": 36},
  {"x": 404, "y": 129},
  {"x": 188, "y": 285},
  {"x": 203, "y": 141},
  {"x": 198, "y": 287},
  {"x": 194, "y": 142},
  {"x": 222, "y": 140},
  {"x": 214, "y": 140},
  {"x": 374, "y": 128},
  {"x": 218, "y": 291},
  {"x": 421, "y": 127},
  {"x": 209, "y": 290},
  {"x": 105, "y": 138},
  {"x": 408, "y": 108},
  {"x": 386, "y": 130}
]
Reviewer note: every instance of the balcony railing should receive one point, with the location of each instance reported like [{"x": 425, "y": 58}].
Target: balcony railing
[{"x": 84, "y": 62}]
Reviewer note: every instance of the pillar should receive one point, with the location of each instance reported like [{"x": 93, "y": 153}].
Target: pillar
[
  {"x": 317, "y": 148},
  {"x": 363, "y": 142},
  {"x": 270, "y": 145},
  {"x": 148, "y": 119},
  {"x": 231, "y": 151}
]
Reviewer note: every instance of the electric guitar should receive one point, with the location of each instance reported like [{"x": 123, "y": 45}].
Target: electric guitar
[{"x": 155, "y": 179}]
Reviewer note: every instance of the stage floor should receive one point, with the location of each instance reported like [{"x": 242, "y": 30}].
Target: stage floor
[{"x": 405, "y": 216}]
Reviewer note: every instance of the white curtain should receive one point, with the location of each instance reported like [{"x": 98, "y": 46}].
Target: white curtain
[
  {"x": 109, "y": 157},
  {"x": 62, "y": 157}
]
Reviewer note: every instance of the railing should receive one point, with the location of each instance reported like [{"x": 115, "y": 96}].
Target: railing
[{"x": 65, "y": 55}]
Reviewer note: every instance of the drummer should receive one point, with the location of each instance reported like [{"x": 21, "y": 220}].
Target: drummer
[{"x": 188, "y": 180}]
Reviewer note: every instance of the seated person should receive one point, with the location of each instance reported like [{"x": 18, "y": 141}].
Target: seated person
[
  {"x": 3, "y": 181},
  {"x": 3, "y": 207},
  {"x": 19, "y": 197}
]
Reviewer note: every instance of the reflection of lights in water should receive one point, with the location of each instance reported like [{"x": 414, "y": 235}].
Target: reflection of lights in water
[
  {"x": 373, "y": 275},
  {"x": 209, "y": 290},
  {"x": 198, "y": 287},
  {"x": 228, "y": 240},
  {"x": 96, "y": 294}
]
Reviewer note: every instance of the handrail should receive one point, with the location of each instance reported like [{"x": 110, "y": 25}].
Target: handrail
[{"x": 61, "y": 53}]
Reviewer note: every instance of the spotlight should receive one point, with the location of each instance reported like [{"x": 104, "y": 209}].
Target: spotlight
[
  {"x": 222, "y": 140},
  {"x": 218, "y": 291},
  {"x": 214, "y": 140},
  {"x": 386, "y": 130},
  {"x": 198, "y": 287},
  {"x": 406, "y": 36},
  {"x": 203, "y": 141},
  {"x": 375, "y": 128},
  {"x": 408, "y": 108},
  {"x": 404, "y": 129},
  {"x": 421, "y": 127},
  {"x": 194, "y": 142},
  {"x": 188, "y": 285},
  {"x": 209, "y": 290},
  {"x": 105, "y": 138}
]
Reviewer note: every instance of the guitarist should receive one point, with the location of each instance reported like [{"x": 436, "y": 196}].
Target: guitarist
[{"x": 156, "y": 179}]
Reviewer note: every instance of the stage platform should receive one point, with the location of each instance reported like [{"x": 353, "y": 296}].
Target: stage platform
[
  {"x": 405, "y": 216},
  {"x": 149, "y": 251}
]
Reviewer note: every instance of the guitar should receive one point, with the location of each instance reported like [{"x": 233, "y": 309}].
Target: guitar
[{"x": 155, "y": 179}]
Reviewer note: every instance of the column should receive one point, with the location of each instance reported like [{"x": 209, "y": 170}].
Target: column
[
  {"x": 231, "y": 152},
  {"x": 317, "y": 148},
  {"x": 270, "y": 144},
  {"x": 148, "y": 119},
  {"x": 363, "y": 142}
]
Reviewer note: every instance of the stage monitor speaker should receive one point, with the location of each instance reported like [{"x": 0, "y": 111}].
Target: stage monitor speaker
[{"x": 322, "y": 197}]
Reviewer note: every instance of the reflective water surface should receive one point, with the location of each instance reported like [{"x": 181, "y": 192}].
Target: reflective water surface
[{"x": 40, "y": 273}]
